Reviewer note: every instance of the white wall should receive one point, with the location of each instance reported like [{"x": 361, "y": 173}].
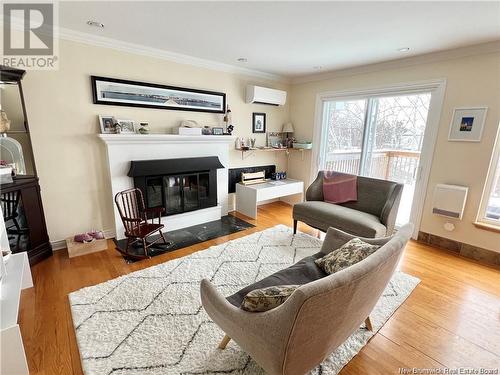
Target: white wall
[
  {"x": 71, "y": 161},
  {"x": 471, "y": 81}
]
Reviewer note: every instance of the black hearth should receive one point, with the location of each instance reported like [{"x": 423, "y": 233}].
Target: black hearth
[{"x": 178, "y": 185}]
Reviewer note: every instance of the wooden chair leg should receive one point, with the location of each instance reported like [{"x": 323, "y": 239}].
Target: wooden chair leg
[
  {"x": 145, "y": 245},
  {"x": 163, "y": 237},
  {"x": 128, "y": 245},
  {"x": 368, "y": 324},
  {"x": 16, "y": 223},
  {"x": 224, "y": 342}
]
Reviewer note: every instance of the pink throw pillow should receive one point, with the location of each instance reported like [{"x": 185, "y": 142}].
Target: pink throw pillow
[{"x": 339, "y": 187}]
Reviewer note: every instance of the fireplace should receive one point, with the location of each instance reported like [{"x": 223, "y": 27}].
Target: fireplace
[
  {"x": 179, "y": 185},
  {"x": 155, "y": 148}
]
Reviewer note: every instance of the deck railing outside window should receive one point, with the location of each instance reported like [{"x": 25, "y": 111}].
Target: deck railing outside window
[{"x": 394, "y": 165}]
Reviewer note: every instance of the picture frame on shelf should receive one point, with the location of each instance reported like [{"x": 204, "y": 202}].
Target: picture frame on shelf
[
  {"x": 107, "y": 124},
  {"x": 258, "y": 122},
  {"x": 112, "y": 91},
  {"x": 467, "y": 124},
  {"x": 126, "y": 126},
  {"x": 217, "y": 131},
  {"x": 274, "y": 140}
]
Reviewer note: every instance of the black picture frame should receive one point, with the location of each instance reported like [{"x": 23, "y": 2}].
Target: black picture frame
[
  {"x": 146, "y": 98},
  {"x": 256, "y": 127},
  {"x": 217, "y": 131}
]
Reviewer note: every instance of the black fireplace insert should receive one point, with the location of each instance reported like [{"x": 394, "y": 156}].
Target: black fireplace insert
[{"x": 178, "y": 185}]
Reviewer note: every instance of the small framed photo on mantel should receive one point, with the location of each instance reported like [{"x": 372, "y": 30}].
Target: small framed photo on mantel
[
  {"x": 467, "y": 124},
  {"x": 126, "y": 126},
  {"x": 258, "y": 122},
  {"x": 107, "y": 123},
  {"x": 217, "y": 131}
]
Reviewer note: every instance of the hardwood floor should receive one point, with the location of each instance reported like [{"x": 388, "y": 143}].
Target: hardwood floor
[{"x": 452, "y": 318}]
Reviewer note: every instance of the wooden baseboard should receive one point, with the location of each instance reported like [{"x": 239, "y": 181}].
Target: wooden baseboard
[{"x": 461, "y": 248}]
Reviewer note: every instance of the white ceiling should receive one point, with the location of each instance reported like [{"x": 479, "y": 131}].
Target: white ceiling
[{"x": 290, "y": 38}]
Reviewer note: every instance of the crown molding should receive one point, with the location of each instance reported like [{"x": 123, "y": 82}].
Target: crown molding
[
  {"x": 105, "y": 42},
  {"x": 477, "y": 49},
  {"x": 100, "y": 41}
]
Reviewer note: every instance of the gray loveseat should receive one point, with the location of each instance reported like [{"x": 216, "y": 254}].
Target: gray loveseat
[
  {"x": 372, "y": 215},
  {"x": 318, "y": 317}
]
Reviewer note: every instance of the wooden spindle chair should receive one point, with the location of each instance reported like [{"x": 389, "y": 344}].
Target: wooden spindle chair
[
  {"x": 10, "y": 204},
  {"x": 134, "y": 215}
]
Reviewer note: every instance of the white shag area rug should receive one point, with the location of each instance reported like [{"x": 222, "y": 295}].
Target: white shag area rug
[{"x": 151, "y": 321}]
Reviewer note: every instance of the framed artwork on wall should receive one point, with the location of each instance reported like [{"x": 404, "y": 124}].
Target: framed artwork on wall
[
  {"x": 467, "y": 124},
  {"x": 258, "y": 122},
  {"x": 113, "y": 91},
  {"x": 274, "y": 140}
]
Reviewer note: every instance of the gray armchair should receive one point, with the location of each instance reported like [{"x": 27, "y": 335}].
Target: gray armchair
[
  {"x": 372, "y": 215},
  {"x": 318, "y": 317}
]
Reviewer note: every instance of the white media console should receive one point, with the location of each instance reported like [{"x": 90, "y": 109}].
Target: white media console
[{"x": 249, "y": 196}]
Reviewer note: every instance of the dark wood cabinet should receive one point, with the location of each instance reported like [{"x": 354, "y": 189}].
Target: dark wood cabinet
[
  {"x": 26, "y": 227},
  {"x": 20, "y": 199}
]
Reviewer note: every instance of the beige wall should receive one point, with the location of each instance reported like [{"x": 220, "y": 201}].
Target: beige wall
[
  {"x": 471, "y": 81},
  {"x": 71, "y": 161}
]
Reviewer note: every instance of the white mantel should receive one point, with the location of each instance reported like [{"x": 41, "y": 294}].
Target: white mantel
[
  {"x": 122, "y": 148},
  {"x": 134, "y": 139}
]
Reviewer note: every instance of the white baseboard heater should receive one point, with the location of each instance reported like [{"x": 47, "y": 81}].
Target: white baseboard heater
[{"x": 449, "y": 200}]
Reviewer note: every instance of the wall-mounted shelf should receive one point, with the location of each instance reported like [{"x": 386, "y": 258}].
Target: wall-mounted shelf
[{"x": 250, "y": 151}]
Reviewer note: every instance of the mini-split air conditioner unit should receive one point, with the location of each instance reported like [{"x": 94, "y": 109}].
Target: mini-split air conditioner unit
[
  {"x": 265, "y": 95},
  {"x": 449, "y": 200}
]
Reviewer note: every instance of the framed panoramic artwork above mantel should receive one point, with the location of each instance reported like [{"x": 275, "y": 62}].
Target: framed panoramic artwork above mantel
[{"x": 111, "y": 91}]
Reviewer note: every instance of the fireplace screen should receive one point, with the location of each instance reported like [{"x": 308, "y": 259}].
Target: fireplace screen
[
  {"x": 180, "y": 193},
  {"x": 178, "y": 185},
  {"x": 173, "y": 195},
  {"x": 155, "y": 192}
]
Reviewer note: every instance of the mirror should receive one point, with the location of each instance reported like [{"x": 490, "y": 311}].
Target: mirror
[
  {"x": 10, "y": 101},
  {"x": 15, "y": 143}
]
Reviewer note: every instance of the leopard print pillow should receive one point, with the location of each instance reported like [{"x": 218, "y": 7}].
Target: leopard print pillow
[
  {"x": 264, "y": 299},
  {"x": 348, "y": 254}
]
